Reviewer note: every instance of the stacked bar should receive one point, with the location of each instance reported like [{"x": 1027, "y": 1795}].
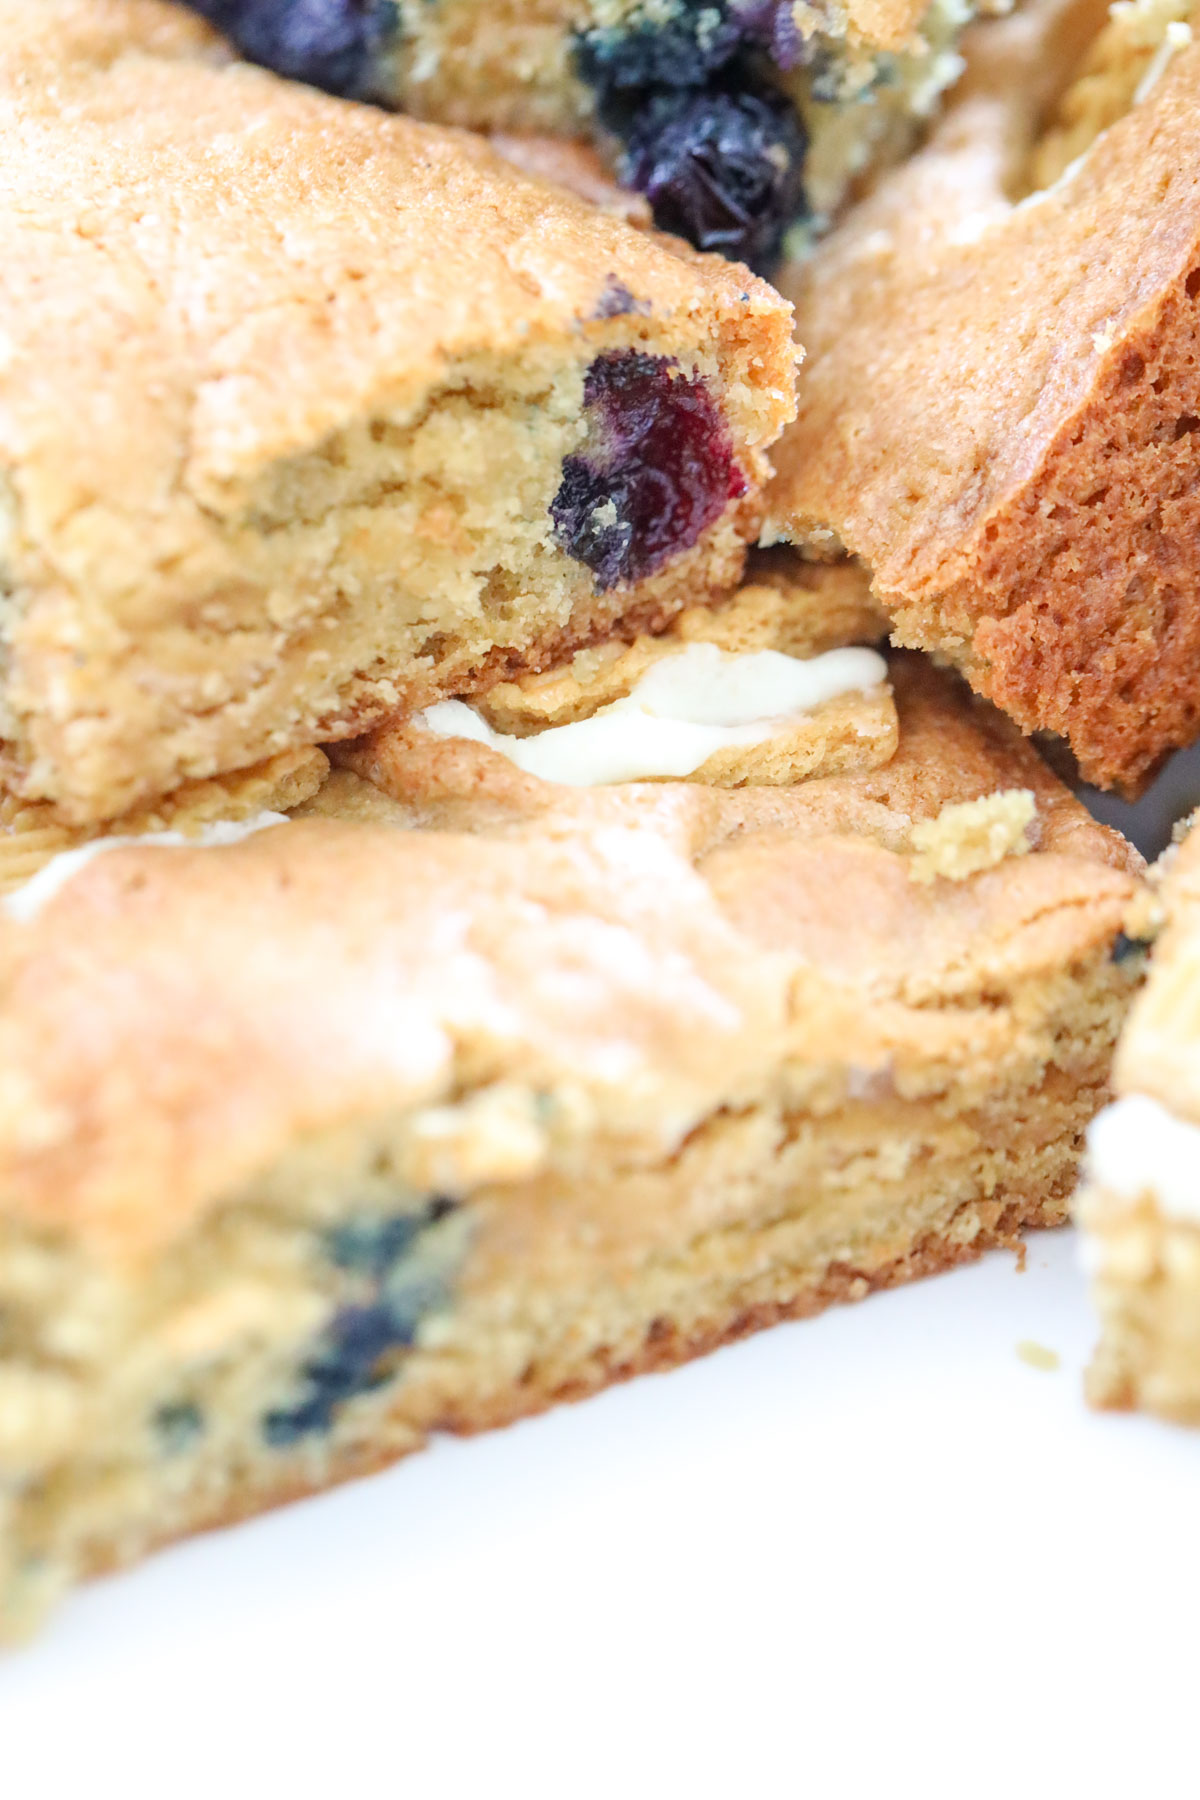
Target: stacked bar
[
  {"x": 474, "y": 926},
  {"x": 466, "y": 1092}
]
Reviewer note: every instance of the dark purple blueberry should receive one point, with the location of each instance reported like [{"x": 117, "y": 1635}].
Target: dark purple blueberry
[
  {"x": 657, "y": 469},
  {"x": 723, "y": 170},
  {"x": 347, "y": 1364},
  {"x": 333, "y": 44},
  {"x": 359, "y": 1348},
  {"x": 373, "y": 1245},
  {"x": 771, "y": 25},
  {"x": 683, "y": 52}
]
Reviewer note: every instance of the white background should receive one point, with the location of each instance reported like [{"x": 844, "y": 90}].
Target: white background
[{"x": 873, "y": 1553}]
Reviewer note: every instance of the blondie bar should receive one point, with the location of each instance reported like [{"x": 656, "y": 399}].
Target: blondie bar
[
  {"x": 311, "y": 414},
  {"x": 999, "y": 406},
  {"x": 445, "y": 1101}
]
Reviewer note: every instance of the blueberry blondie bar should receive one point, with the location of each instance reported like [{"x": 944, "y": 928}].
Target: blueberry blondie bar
[
  {"x": 1140, "y": 1206},
  {"x": 311, "y": 413},
  {"x": 739, "y": 120},
  {"x": 469, "y": 1098},
  {"x": 1000, "y": 400}
]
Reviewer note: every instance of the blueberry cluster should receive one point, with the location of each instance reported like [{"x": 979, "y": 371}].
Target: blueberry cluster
[
  {"x": 358, "y": 1350},
  {"x": 656, "y": 471},
  {"x": 334, "y": 44},
  {"x": 709, "y": 139}
]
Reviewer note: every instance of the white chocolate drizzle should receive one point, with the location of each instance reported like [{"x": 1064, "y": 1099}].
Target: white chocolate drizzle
[{"x": 684, "y": 709}]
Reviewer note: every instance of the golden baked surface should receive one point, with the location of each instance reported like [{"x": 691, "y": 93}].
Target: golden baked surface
[
  {"x": 291, "y": 472},
  {"x": 999, "y": 404},
  {"x": 361, "y": 908},
  {"x": 449, "y": 1099}
]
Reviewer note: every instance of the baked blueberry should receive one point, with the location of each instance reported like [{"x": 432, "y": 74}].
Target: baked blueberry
[
  {"x": 681, "y": 52},
  {"x": 617, "y": 301},
  {"x": 330, "y": 43},
  {"x": 372, "y": 1245},
  {"x": 723, "y": 169},
  {"x": 656, "y": 471},
  {"x": 178, "y": 1425},
  {"x": 348, "y": 1363},
  {"x": 398, "y": 1280}
]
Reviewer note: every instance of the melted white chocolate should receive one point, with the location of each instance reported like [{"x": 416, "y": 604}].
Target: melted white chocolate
[
  {"x": 683, "y": 710},
  {"x": 1136, "y": 1149},
  {"x": 27, "y": 901}
]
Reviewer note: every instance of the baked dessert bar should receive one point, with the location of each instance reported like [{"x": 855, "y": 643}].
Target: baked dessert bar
[
  {"x": 840, "y": 713},
  {"x": 738, "y": 120},
  {"x": 461, "y": 1104},
  {"x": 1140, "y": 1206},
  {"x": 765, "y": 689},
  {"x": 999, "y": 404},
  {"x": 311, "y": 413}
]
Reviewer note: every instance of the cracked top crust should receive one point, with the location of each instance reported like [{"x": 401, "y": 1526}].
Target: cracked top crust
[
  {"x": 998, "y": 406},
  {"x": 619, "y": 961}
]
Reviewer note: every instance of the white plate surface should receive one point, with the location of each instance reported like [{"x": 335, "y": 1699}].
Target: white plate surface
[{"x": 874, "y": 1553}]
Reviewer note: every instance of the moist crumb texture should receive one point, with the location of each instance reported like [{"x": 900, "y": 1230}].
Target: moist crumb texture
[
  {"x": 739, "y": 121},
  {"x": 469, "y": 1098},
  {"x": 352, "y": 376},
  {"x": 1000, "y": 400},
  {"x": 851, "y": 730}
]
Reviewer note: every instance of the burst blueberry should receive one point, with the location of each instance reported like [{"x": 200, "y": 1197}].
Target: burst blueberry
[
  {"x": 399, "y": 1270},
  {"x": 333, "y": 44},
  {"x": 724, "y": 170},
  {"x": 349, "y": 1363},
  {"x": 657, "y": 469}
]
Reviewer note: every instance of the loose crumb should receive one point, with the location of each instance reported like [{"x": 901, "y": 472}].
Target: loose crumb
[
  {"x": 1038, "y": 1356},
  {"x": 972, "y": 835}
]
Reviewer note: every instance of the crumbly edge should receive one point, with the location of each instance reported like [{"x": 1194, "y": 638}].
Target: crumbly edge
[
  {"x": 1145, "y": 1283},
  {"x": 857, "y": 730},
  {"x": 973, "y": 835},
  {"x": 33, "y": 835},
  {"x": 899, "y": 1174},
  {"x": 371, "y": 576}
]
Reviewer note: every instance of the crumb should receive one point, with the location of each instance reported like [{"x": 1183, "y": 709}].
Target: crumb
[
  {"x": 1038, "y": 1356},
  {"x": 972, "y": 835}
]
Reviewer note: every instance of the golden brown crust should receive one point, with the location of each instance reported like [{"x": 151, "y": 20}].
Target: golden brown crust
[
  {"x": 675, "y": 1061},
  {"x": 999, "y": 401}
]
